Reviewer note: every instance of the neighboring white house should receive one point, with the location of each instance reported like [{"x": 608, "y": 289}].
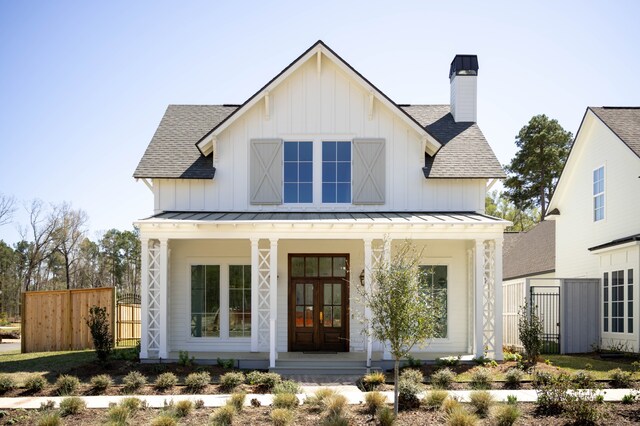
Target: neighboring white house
[
  {"x": 268, "y": 217},
  {"x": 596, "y": 207}
]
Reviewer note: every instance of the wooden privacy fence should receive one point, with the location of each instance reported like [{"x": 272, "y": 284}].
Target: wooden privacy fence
[{"x": 56, "y": 320}]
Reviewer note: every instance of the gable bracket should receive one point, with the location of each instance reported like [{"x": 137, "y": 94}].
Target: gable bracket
[
  {"x": 319, "y": 61},
  {"x": 371, "y": 97},
  {"x": 266, "y": 106},
  {"x": 214, "y": 147}
]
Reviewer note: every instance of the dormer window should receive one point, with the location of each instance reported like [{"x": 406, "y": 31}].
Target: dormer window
[{"x": 598, "y": 194}]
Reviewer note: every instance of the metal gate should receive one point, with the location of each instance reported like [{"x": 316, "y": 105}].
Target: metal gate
[
  {"x": 128, "y": 322},
  {"x": 546, "y": 301}
]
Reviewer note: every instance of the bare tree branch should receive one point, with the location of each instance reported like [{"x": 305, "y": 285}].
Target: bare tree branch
[{"x": 7, "y": 208}]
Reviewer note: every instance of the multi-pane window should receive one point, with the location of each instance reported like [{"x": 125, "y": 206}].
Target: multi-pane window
[
  {"x": 298, "y": 172},
  {"x": 434, "y": 282},
  {"x": 239, "y": 300},
  {"x": 205, "y": 301},
  {"x": 630, "y": 301},
  {"x": 598, "y": 194},
  {"x": 617, "y": 301},
  {"x": 605, "y": 299},
  {"x": 336, "y": 172}
]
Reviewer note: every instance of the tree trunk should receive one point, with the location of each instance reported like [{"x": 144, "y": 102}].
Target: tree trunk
[
  {"x": 396, "y": 374},
  {"x": 66, "y": 269}
]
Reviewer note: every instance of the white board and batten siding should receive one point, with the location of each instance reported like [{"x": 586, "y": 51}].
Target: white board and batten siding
[{"x": 326, "y": 107}]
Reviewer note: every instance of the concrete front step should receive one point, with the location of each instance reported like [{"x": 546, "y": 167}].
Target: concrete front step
[{"x": 321, "y": 371}]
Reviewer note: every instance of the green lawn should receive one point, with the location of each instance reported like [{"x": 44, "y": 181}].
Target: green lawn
[{"x": 599, "y": 367}]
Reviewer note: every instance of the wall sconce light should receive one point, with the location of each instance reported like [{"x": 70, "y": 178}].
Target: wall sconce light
[{"x": 362, "y": 278}]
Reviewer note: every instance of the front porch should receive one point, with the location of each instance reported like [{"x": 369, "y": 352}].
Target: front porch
[{"x": 466, "y": 246}]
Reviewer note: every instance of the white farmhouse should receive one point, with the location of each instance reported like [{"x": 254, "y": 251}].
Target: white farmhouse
[
  {"x": 269, "y": 216},
  {"x": 596, "y": 207}
]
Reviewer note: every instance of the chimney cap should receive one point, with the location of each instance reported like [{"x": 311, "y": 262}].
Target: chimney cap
[{"x": 464, "y": 65}]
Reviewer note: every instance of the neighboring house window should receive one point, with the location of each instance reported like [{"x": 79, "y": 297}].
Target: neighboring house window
[
  {"x": 336, "y": 172},
  {"x": 298, "y": 172},
  {"x": 598, "y": 194},
  {"x": 617, "y": 301},
  {"x": 434, "y": 281},
  {"x": 630, "y": 301},
  {"x": 605, "y": 298},
  {"x": 239, "y": 300},
  {"x": 205, "y": 301}
]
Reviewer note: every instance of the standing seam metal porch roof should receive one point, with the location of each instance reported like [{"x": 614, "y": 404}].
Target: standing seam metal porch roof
[{"x": 462, "y": 218}]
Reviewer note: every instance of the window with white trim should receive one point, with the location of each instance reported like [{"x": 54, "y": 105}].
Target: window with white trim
[
  {"x": 617, "y": 301},
  {"x": 298, "y": 172},
  {"x": 598, "y": 194},
  {"x": 434, "y": 282},
  {"x": 221, "y": 301},
  {"x": 336, "y": 172}
]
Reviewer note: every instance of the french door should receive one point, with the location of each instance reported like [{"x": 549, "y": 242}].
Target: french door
[{"x": 318, "y": 302}]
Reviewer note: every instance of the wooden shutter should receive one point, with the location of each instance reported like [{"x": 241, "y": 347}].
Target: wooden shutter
[
  {"x": 265, "y": 171},
  {"x": 368, "y": 171}
]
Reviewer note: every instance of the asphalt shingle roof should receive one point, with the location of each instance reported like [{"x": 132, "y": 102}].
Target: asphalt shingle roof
[
  {"x": 465, "y": 152},
  {"x": 172, "y": 153},
  {"x": 624, "y": 122},
  {"x": 530, "y": 253}
]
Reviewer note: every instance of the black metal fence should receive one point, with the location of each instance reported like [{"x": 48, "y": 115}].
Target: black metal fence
[
  {"x": 128, "y": 324},
  {"x": 546, "y": 302}
]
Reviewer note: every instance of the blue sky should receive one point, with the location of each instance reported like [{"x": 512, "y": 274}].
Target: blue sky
[{"x": 83, "y": 85}]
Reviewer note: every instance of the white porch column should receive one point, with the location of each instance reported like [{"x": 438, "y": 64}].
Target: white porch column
[
  {"x": 499, "y": 356},
  {"x": 144, "y": 299},
  {"x": 386, "y": 259},
  {"x": 478, "y": 326},
  {"x": 254, "y": 294},
  {"x": 273, "y": 301},
  {"x": 367, "y": 288},
  {"x": 164, "y": 297}
]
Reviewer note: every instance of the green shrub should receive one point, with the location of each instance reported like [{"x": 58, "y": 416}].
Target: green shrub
[
  {"x": 100, "y": 330},
  {"x": 506, "y": 414},
  {"x": 49, "y": 405},
  {"x": 282, "y": 417},
  {"x": 629, "y": 398},
  {"x": 481, "y": 378},
  {"x": 49, "y": 419},
  {"x": 164, "y": 420},
  {"x": 408, "y": 391},
  {"x": 448, "y": 361},
  {"x": 450, "y": 404},
  {"x": 318, "y": 399},
  {"x": 266, "y": 381},
  {"x": 335, "y": 405},
  {"x": 461, "y": 417},
  {"x": 6, "y": 383},
  {"x": 373, "y": 401},
  {"x": 433, "y": 400},
  {"x": 412, "y": 375},
  {"x": 118, "y": 415},
  {"x": 552, "y": 396},
  {"x": 231, "y": 380},
  {"x": 197, "y": 382},
  {"x": 386, "y": 416},
  {"x": 183, "y": 408},
  {"x": 481, "y": 401},
  {"x": 226, "y": 363},
  {"x": 35, "y": 383},
  {"x": 184, "y": 360},
  {"x": 583, "y": 379},
  {"x": 513, "y": 378},
  {"x": 443, "y": 378},
  {"x": 285, "y": 400},
  {"x": 131, "y": 404},
  {"x": 71, "y": 405},
  {"x": 222, "y": 416},
  {"x": 340, "y": 420},
  {"x": 620, "y": 378},
  {"x": 237, "y": 401},
  {"x": 530, "y": 332},
  {"x": 133, "y": 381},
  {"x": 101, "y": 382},
  {"x": 286, "y": 386},
  {"x": 582, "y": 407},
  {"x": 67, "y": 385},
  {"x": 372, "y": 380},
  {"x": 165, "y": 381},
  {"x": 542, "y": 378},
  {"x": 512, "y": 356},
  {"x": 512, "y": 399}
]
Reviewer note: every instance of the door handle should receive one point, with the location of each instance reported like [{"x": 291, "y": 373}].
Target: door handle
[{"x": 321, "y": 317}]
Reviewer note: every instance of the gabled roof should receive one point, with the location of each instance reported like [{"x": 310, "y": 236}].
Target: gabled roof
[
  {"x": 530, "y": 253},
  {"x": 172, "y": 153},
  {"x": 624, "y": 122},
  {"x": 320, "y": 50},
  {"x": 465, "y": 152}
]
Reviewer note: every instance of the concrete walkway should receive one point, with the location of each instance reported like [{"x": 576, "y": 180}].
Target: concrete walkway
[
  {"x": 9, "y": 345},
  {"x": 352, "y": 393}
]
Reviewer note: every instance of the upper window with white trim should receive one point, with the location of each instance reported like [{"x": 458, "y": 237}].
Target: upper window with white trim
[
  {"x": 598, "y": 194},
  {"x": 298, "y": 172},
  {"x": 336, "y": 172}
]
